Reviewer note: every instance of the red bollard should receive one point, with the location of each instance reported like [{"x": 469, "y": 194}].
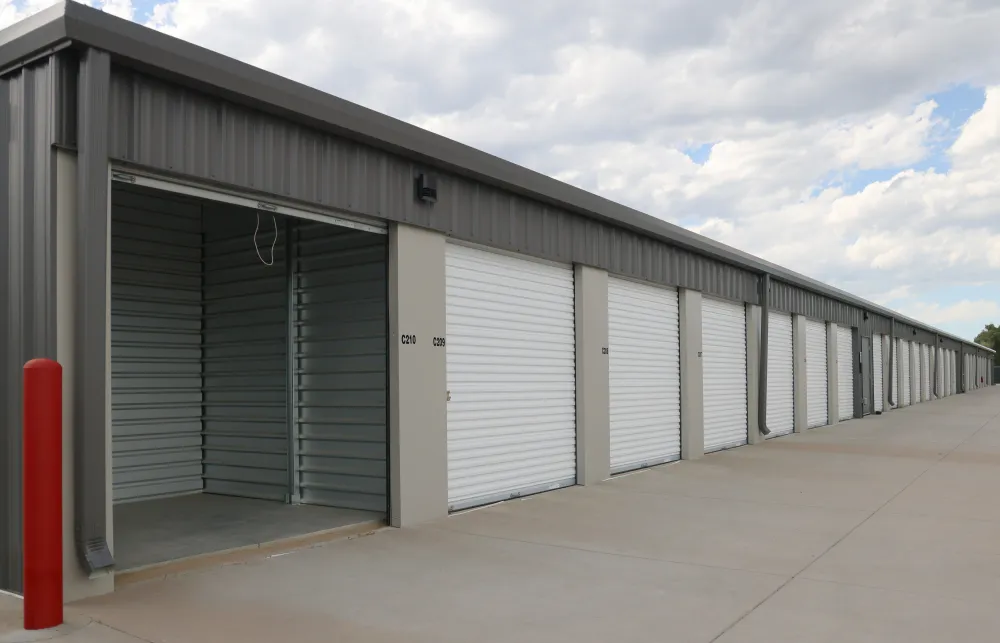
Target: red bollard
[{"x": 42, "y": 494}]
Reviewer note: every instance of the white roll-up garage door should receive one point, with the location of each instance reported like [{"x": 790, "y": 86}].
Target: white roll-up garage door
[
  {"x": 816, "y": 373},
  {"x": 877, "y": 371},
  {"x": 780, "y": 381},
  {"x": 724, "y": 364},
  {"x": 904, "y": 364},
  {"x": 918, "y": 355},
  {"x": 946, "y": 363},
  {"x": 954, "y": 372},
  {"x": 845, "y": 374},
  {"x": 644, "y": 373},
  {"x": 894, "y": 380},
  {"x": 511, "y": 371},
  {"x": 925, "y": 365},
  {"x": 939, "y": 371},
  {"x": 947, "y": 372}
]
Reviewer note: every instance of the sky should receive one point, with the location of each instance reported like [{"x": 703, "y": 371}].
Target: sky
[{"x": 854, "y": 141}]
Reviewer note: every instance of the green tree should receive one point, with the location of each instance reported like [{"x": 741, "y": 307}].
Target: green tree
[{"x": 990, "y": 338}]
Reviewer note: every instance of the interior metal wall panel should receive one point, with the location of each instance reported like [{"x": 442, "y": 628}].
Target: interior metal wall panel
[
  {"x": 817, "y": 386},
  {"x": 27, "y": 280},
  {"x": 170, "y": 128},
  {"x": 644, "y": 374},
  {"x": 341, "y": 356},
  {"x": 780, "y": 375},
  {"x": 724, "y": 364},
  {"x": 511, "y": 366},
  {"x": 245, "y": 354},
  {"x": 156, "y": 317},
  {"x": 845, "y": 374},
  {"x": 878, "y": 373}
]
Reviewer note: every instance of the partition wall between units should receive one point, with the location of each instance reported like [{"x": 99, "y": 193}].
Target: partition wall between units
[{"x": 280, "y": 313}]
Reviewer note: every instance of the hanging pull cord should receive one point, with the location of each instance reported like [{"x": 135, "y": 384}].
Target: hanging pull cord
[{"x": 273, "y": 243}]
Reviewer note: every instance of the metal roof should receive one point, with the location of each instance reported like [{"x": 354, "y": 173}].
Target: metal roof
[{"x": 179, "y": 61}]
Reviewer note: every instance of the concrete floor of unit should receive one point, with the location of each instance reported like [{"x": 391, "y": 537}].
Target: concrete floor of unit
[{"x": 157, "y": 531}]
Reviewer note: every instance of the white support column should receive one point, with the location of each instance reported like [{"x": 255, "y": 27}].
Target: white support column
[
  {"x": 800, "y": 388},
  {"x": 832, "y": 375},
  {"x": 692, "y": 386},
  {"x": 914, "y": 374},
  {"x": 753, "y": 373},
  {"x": 593, "y": 414},
  {"x": 418, "y": 415}
]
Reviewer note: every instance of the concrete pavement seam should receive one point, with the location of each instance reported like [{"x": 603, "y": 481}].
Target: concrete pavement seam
[
  {"x": 601, "y": 552},
  {"x": 121, "y": 631},
  {"x": 852, "y": 530}
]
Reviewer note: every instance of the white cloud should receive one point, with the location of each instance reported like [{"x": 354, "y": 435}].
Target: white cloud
[
  {"x": 794, "y": 98},
  {"x": 980, "y": 311}
]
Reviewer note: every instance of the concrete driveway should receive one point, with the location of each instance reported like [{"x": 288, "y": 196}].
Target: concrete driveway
[{"x": 885, "y": 529}]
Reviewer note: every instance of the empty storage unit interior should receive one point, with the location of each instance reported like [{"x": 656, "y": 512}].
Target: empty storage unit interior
[{"x": 249, "y": 381}]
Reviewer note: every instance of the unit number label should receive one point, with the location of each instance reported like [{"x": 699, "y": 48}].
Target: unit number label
[
  {"x": 409, "y": 339},
  {"x": 604, "y": 350},
  {"x": 438, "y": 341}
]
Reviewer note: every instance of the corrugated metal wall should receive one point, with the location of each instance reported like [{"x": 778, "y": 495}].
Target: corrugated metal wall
[
  {"x": 245, "y": 354},
  {"x": 200, "y": 354},
  {"x": 156, "y": 324},
  {"x": 341, "y": 357},
  {"x": 170, "y": 128},
  {"x": 28, "y": 103},
  {"x": 792, "y": 299}
]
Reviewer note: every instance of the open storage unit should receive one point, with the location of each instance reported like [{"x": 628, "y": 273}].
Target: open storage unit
[{"x": 248, "y": 372}]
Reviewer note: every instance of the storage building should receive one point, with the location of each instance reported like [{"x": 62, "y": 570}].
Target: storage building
[{"x": 280, "y": 313}]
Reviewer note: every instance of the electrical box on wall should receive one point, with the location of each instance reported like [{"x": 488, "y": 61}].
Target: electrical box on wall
[{"x": 426, "y": 188}]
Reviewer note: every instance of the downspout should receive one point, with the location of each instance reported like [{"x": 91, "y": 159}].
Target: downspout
[
  {"x": 765, "y": 296},
  {"x": 892, "y": 360}
]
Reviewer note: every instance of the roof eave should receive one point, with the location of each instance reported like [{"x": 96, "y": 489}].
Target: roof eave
[{"x": 33, "y": 36}]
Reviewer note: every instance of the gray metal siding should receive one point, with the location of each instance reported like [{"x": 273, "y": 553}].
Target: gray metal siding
[
  {"x": 156, "y": 319},
  {"x": 913, "y": 334},
  {"x": 792, "y": 299},
  {"x": 245, "y": 355},
  {"x": 176, "y": 130},
  {"x": 340, "y": 366},
  {"x": 27, "y": 281},
  {"x": 66, "y": 80},
  {"x": 90, "y": 418}
]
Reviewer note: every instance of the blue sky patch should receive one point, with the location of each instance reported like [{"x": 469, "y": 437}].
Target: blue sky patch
[
  {"x": 143, "y": 9},
  {"x": 700, "y": 153}
]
